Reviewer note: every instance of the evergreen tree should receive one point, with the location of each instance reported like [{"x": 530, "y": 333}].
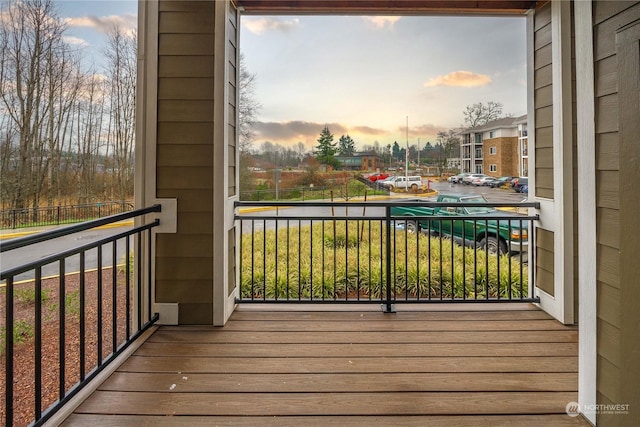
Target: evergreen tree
[
  {"x": 346, "y": 146},
  {"x": 326, "y": 148},
  {"x": 396, "y": 150}
]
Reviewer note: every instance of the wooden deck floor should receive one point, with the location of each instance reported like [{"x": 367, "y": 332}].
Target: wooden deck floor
[{"x": 348, "y": 368}]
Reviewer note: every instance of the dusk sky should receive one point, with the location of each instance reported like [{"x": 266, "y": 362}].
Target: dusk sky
[
  {"x": 364, "y": 75},
  {"x": 361, "y": 76}
]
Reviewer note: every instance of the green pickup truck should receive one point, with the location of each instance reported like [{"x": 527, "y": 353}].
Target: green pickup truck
[{"x": 501, "y": 235}]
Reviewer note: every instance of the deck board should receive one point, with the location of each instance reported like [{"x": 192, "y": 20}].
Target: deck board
[
  {"x": 358, "y": 350},
  {"x": 83, "y": 420},
  {"x": 338, "y": 368},
  {"x": 223, "y": 336}
]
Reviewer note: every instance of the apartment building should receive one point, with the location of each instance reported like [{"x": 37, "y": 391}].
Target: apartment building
[{"x": 497, "y": 148}]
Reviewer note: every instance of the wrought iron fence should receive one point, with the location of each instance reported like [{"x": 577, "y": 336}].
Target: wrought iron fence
[
  {"x": 311, "y": 193},
  {"x": 56, "y": 215},
  {"x": 385, "y": 252},
  {"x": 60, "y": 332}
]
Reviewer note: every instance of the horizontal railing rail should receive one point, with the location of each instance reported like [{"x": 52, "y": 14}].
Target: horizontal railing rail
[
  {"x": 76, "y": 228},
  {"x": 56, "y": 215},
  {"x": 376, "y": 252},
  {"x": 59, "y": 332},
  {"x": 310, "y": 193}
]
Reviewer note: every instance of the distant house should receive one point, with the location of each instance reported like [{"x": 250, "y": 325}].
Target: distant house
[
  {"x": 366, "y": 161},
  {"x": 497, "y": 148}
]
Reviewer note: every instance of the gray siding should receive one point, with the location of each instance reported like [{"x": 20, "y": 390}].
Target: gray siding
[
  {"x": 232, "y": 37},
  {"x": 543, "y": 87},
  {"x": 614, "y": 377},
  {"x": 184, "y": 272},
  {"x": 544, "y": 260}
]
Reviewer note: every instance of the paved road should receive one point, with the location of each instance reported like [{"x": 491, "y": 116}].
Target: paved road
[
  {"x": 17, "y": 257},
  {"x": 491, "y": 194},
  {"x": 40, "y": 251}
]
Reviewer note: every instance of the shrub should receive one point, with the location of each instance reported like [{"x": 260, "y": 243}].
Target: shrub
[
  {"x": 334, "y": 259},
  {"x": 27, "y": 295}
]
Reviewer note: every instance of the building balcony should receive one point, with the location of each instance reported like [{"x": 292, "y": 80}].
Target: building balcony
[
  {"x": 338, "y": 365},
  {"x": 374, "y": 351}
]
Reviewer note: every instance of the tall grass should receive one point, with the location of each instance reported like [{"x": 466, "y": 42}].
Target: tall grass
[{"x": 347, "y": 260}]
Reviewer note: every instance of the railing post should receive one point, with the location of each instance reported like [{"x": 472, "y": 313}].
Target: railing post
[{"x": 387, "y": 306}]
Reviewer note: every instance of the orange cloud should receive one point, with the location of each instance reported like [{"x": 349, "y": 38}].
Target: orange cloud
[
  {"x": 460, "y": 79},
  {"x": 128, "y": 22}
]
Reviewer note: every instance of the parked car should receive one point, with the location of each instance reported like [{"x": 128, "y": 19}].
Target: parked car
[
  {"x": 403, "y": 182},
  {"x": 501, "y": 236},
  {"x": 499, "y": 182},
  {"x": 378, "y": 177},
  {"x": 469, "y": 178},
  {"x": 455, "y": 179},
  {"x": 520, "y": 182},
  {"x": 485, "y": 180}
]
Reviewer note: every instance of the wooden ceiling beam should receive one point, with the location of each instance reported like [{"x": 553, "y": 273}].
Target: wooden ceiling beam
[{"x": 389, "y": 7}]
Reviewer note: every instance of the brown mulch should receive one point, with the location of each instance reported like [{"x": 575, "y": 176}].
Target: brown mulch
[{"x": 24, "y": 352}]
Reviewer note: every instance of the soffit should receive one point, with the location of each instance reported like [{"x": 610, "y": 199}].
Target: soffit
[{"x": 388, "y": 7}]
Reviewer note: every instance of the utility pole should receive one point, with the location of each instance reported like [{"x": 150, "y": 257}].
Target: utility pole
[{"x": 406, "y": 160}]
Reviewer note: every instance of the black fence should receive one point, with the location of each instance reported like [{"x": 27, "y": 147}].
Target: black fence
[
  {"x": 60, "y": 332},
  {"x": 385, "y": 252},
  {"x": 309, "y": 193},
  {"x": 57, "y": 215}
]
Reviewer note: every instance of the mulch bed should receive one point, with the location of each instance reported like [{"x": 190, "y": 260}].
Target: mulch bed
[{"x": 24, "y": 352}]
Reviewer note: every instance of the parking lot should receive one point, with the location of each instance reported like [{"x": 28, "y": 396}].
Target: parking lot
[{"x": 491, "y": 194}]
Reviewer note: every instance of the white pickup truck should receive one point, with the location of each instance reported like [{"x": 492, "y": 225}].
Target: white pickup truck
[{"x": 403, "y": 182}]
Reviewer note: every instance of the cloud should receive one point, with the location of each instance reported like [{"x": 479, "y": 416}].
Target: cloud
[
  {"x": 294, "y": 130},
  {"x": 459, "y": 79},
  {"x": 260, "y": 25},
  {"x": 77, "y": 41},
  {"x": 366, "y": 130},
  {"x": 381, "y": 21},
  {"x": 128, "y": 22},
  {"x": 427, "y": 130}
]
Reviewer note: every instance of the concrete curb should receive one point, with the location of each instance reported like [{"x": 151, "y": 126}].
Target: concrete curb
[{"x": 13, "y": 235}]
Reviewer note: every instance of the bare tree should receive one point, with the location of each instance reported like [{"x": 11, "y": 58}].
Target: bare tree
[
  {"x": 479, "y": 114},
  {"x": 450, "y": 143},
  {"x": 121, "y": 54},
  {"x": 88, "y": 129},
  {"x": 32, "y": 69},
  {"x": 248, "y": 107},
  {"x": 301, "y": 151}
]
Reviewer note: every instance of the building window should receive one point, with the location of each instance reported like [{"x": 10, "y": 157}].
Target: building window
[
  {"x": 493, "y": 150},
  {"x": 493, "y": 168},
  {"x": 478, "y": 168},
  {"x": 478, "y": 153},
  {"x": 492, "y": 134},
  {"x": 478, "y": 138}
]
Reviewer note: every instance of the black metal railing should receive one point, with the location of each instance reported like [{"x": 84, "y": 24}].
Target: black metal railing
[
  {"x": 310, "y": 193},
  {"x": 59, "y": 332},
  {"x": 385, "y": 252},
  {"x": 57, "y": 215}
]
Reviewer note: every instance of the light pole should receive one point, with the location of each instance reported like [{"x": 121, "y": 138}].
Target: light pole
[{"x": 406, "y": 157}]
